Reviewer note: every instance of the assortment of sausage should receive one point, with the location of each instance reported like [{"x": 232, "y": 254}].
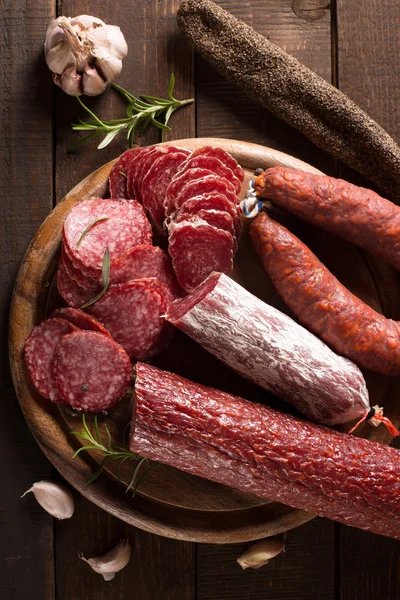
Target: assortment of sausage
[{"x": 126, "y": 297}]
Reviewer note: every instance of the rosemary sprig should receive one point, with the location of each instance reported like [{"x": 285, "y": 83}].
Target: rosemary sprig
[
  {"x": 117, "y": 453},
  {"x": 90, "y": 227},
  {"x": 141, "y": 112},
  {"x": 105, "y": 275}
]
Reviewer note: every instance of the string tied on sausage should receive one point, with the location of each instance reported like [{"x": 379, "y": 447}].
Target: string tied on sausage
[
  {"x": 375, "y": 417},
  {"x": 251, "y": 205}
]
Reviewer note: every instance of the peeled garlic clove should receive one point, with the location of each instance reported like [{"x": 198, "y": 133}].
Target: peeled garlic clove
[
  {"x": 261, "y": 553},
  {"x": 109, "y": 67},
  {"x": 109, "y": 41},
  {"x": 111, "y": 562},
  {"x": 93, "y": 83},
  {"x": 54, "y": 498}
]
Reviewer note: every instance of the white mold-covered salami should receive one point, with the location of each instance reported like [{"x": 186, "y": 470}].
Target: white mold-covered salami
[{"x": 270, "y": 349}]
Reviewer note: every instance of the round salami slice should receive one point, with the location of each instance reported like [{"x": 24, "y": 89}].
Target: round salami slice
[
  {"x": 156, "y": 182},
  {"x": 39, "y": 353},
  {"x": 147, "y": 163},
  {"x": 214, "y": 202},
  {"x": 132, "y": 312},
  {"x": 212, "y": 164},
  {"x": 119, "y": 174},
  {"x": 92, "y": 372},
  {"x": 133, "y": 169},
  {"x": 198, "y": 249},
  {"x": 70, "y": 291},
  {"x": 178, "y": 182},
  {"x": 210, "y": 184},
  {"x": 80, "y": 319},
  {"x": 145, "y": 261},
  {"x": 217, "y": 218},
  {"x": 116, "y": 224},
  {"x": 85, "y": 282},
  {"x": 223, "y": 156}
]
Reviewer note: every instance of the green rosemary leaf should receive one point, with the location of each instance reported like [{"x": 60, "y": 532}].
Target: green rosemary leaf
[
  {"x": 89, "y": 111},
  {"x": 98, "y": 472},
  {"x": 121, "y": 463},
  {"x": 123, "y": 174},
  {"x": 96, "y": 428},
  {"x": 168, "y": 114},
  {"x": 105, "y": 271},
  {"x": 85, "y": 139},
  {"x": 171, "y": 86},
  {"x": 160, "y": 125},
  {"x": 108, "y": 138},
  {"x": 134, "y": 475},
  {"x": 123, "y": 92},
  {"x": 100, "y": 220},
  {"x": 109, "y": 440},
  {"x": 143, "y": 475},
  {"x": 82, "y": 448}
]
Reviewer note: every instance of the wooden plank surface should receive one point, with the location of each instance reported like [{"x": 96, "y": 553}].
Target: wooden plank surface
[
  {"x": 26, "y": 191},
  {"x": 368, "y": 57}
]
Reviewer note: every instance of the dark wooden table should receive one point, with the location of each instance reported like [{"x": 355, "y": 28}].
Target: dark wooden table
[{"x": 354, "y": 44}]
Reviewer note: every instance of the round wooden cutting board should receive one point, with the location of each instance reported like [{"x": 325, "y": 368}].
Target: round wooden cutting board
[{"x": 170, "y": 502}]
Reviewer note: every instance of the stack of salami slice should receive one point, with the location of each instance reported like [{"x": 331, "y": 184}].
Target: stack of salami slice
[{"x": 191, "y": 197}]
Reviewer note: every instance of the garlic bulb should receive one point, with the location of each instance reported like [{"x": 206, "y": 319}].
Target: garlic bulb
[
  {"x": 84, "y": 54},
  {"x": 54, "y": 498},
  {"x": 111, "y": 562},
  {"x": 261, "y": 553}
]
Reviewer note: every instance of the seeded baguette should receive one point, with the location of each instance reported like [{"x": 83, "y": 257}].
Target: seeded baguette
[{"x": 292, "y": 92}]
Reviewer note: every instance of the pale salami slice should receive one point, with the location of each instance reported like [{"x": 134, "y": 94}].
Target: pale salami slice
[
  {"x": 132, "y": 312},
  {"x": 80, "y": 319},
  {"x": 145, "y": 261},
  {"x": 212, "y": 164},
  {"x": 210, "y": 184},
  {"x": 39, "y": 353},
  {"x": 133, "y": 169},
  {"x": 178, "y": 182},
  {"x": 147, "y": 163},
  {"x": 69, "y": 290},
  {"x": 92, "y": 372},
  {"x": 223, "y": 156},
  {"x": 214, "y": 202},
  {"x": 126, "y": 226},
  {"x": 216, "y": 218},
  {"x": 197, "y": 250},
  {"x": 85, "y": 282},
  {"x": 119, "y": 174},
  {"x": 156, "y": 182}
]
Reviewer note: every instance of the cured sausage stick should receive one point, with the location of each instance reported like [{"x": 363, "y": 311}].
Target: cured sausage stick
[
  {"x": 270, "y": 349},
  {"x": 357, "y": 214},
  {"x": 261, "y": 451},
  {"x": 322, "y": 303},
  {"x": 292, "y": 92}
]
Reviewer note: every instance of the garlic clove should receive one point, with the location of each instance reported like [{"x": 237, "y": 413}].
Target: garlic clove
[
  {"x": 109, "y": 67},
  {"x": 261, "y": 553},
  {"x": 93, "y": 83},
  {"x": 54, "y": 37},
  {"x": 111, "y": 562},
  {"x": 70, "y": 82},
  {"x": 109, "y": 41},
  {"x": 56, "y": 499},
  {"x": 86, "y": 22}
]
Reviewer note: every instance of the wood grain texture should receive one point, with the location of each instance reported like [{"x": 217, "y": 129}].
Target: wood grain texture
[
  {"x": 368, "y": 56},
  {"x": 26, "y": 531}
]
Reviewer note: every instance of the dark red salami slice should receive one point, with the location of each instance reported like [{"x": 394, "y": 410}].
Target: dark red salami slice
[
  {"x": 85, "y": 282},
  {"x": 39, "y": 353},
  {"x": 147, "y": 163},
  {"x": 92, "y": 372},
  {"x": 126, "y": 226},
  {"x": 119, "y": 174},
  {"x": 133, "y": 169},
  {"x": 178, "y": 182},
  {"x": 156, "y": 182},
  {"x": 80, "y": 319},
  {"x": 210, "y": 184},
  {"x": 212, "y": 164},
  {"x": 216, "y": 218},
  {"x": 70, "y": 291},
  {"x": 132, "y": 313},
  {"x": 145, "y": 261},
  {"x": 214, "y": 202},
  {"x": 223, "y": 156},
  {"x": 197, "y": 250}
]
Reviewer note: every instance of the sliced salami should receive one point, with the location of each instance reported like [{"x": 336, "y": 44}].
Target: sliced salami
[
  {"x": 212, "y": 164},
  {"x": 210, "y": 184},
  {"x": 80, "y": 319},
  {"x": 223, "y": 156},
  {"x": 39, "y": 353},
  {"x": 156, "y": 182},
  {"x": 213, "y": 202},
  {"x": 147, "y": 163},
  {"x": 198, "y": 249},
  {"x": 85, "y": 282},
  {"x": 145, "y": 261},
  {"x": 69, "y": 290},
  {"x": 134, "y": 169},
  {"x": 92, "y": 372},
  {"x": 178, "y": 182},
  {"x": 132, "y": 312},
  {"x": 125, "y": 225},
  {"x": 216, "y": 218},
  {"x": 119, "y": 174}
]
